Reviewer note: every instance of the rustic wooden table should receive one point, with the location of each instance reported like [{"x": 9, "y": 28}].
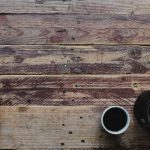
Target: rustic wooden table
[{"x": 62, "y": 63}]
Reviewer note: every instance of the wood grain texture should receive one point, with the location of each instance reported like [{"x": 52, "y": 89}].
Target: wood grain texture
[
  {"x": 74, "y": 29},
  {"x": 72, "y": 90},
  {"x": 36, "y": 128},
  {"x": 76, "y": 6},
  {"x": 41, "y": 39},
  {"x": 96, "y": 59}
]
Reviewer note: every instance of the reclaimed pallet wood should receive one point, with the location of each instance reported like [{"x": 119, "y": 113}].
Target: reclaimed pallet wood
[
  {"x": 52, "y": 127},
  {"x": 76, "y": 6},
  {"x": 74, "y": 29},
  {"x": 72, "y": 90},
  {"x": 62, "y": 59},
  {"x": 43, "y": 44}
]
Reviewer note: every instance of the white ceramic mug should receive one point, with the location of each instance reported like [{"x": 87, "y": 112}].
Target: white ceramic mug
[{"x": 115, "y": 120}]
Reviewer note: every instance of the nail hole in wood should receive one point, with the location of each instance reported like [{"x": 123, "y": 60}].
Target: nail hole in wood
[
  {"x": 61, "y": 30},
  {"x": 77, "y": 85},
  {"x": 73, "y": 38},
  {"x": 70, "y": 132},
  {"x": 64, "y": 91},
  {"x": 135, "y": 84},
  {"x": 82, "y": 141},
  {"x": 63, "y": 124},
  {"x": 62, "y": 144},
  {"x": 81, "y": 117},
  {"x": 29, "y": 101}
]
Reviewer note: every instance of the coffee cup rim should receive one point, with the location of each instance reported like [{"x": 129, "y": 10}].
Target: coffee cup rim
[{"x": 124, "y": 128}]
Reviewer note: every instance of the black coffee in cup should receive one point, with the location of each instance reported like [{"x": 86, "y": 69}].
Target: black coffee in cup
[{"x": 115, "y": 120}]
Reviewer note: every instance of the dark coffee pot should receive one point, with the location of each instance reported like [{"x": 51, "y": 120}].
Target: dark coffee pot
[{"x": 142, "y": 109}]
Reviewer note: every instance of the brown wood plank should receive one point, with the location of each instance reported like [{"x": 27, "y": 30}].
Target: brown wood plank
[
  {"x": 96, "y": 59},
  {"x": 74, "y": 29},
  {"x": 49, "y": 127},
  {"x": 76, "y": 6},
  {"x": 72, "y": 90}
]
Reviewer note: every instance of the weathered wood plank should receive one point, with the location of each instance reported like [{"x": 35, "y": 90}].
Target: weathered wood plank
[
  {"x": 76, "y": 6},
  {"x": 74, "y": 29},
  {"x": 72, "y": 90},
  {"x": 64, "y": 127},
  {"x": 96, "y": 59}
]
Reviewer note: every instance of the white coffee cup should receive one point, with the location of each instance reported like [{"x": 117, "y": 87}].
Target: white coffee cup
[{"x": 115, "y": 120}]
